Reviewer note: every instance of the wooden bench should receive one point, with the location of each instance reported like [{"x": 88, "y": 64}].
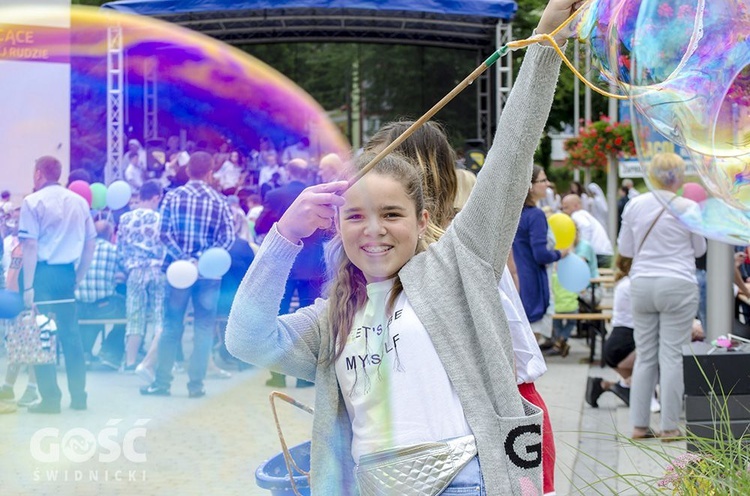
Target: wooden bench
[
  {"x": 123, "y": 321},
  {"x": 102, "y": 321},
  {"x": 604, "y": 281},
  {"x": 598, "y": 320}
]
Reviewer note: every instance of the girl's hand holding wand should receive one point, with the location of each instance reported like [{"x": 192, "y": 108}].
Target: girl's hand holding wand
[{"x": 314, "y": 208}]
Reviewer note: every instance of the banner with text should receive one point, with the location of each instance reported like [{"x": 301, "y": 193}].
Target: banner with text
[{"x": 34, "y": 43}]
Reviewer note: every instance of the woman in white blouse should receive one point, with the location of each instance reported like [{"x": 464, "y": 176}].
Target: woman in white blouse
[{"x": 664, "y": 292}]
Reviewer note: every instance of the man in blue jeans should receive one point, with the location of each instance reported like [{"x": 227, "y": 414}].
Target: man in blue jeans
[
  {"x": 194, "y": 218},
  {"x": 56, "y": 231}
]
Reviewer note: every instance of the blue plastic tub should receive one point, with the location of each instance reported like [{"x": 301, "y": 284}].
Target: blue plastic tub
[{"x": 274, "y": 476}]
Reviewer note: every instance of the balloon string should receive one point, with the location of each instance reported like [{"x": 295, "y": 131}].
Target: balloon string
[{"x": 515, "y": 45}]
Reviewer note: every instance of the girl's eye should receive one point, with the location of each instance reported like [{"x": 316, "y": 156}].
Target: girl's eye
[
  {"x": 354, "y": 217},
  {"x": 392, "y": 215}
]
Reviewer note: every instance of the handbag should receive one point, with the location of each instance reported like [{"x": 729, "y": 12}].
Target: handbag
[
  {"x": 31, "y": 338},
  {"x": 424, "y": 469}
]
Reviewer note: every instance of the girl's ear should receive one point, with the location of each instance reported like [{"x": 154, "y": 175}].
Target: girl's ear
[{"x": 423, "y": 220}]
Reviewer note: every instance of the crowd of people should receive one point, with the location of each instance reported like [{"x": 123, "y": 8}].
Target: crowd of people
[
  {"x": 100, "y": 265},
  {"x": 232, "y": 172}
]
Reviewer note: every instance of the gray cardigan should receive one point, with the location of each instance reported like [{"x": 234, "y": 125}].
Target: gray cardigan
[{"x": 453, "y": 290}]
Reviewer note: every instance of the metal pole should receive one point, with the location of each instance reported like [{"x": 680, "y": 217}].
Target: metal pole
[
  {"x": 587, "y": 91},
  {"x": 612, "y": 218},
  {"x": 356, "y": 129},
  {"x": 576, "y": 100},
  {"x": 719, "y": 279},
  {"x": 720, "y": 300},
  {"x": 587, "y": 107}
]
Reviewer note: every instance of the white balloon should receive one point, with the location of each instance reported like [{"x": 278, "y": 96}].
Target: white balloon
[
  {"x": 182, "y": 274},
  {"x": 118, "y": 195},
  {"x": 214, "y": 263}
]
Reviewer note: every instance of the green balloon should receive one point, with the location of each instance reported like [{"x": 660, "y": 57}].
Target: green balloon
[{"x": 98, "y": 196}]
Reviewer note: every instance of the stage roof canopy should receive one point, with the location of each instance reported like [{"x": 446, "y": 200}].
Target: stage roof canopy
[{"x": 468, "y": 24}]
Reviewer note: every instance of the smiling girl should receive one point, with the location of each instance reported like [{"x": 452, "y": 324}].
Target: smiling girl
[{"x": 410, "y": 353}]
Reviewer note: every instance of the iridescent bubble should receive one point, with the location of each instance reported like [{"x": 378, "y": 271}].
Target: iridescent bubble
[
  {"x": 714, "y": 197},
  {"x": 596, "y": 28},
  {"x": 80, "y": 80},
  {"x": 612, "y": 28},
  {"x": 690, "y": 74}
]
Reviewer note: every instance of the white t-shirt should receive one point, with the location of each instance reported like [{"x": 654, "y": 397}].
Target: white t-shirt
[
  {"x": 134, "y": 176},
  {"x": 592, "y": 231},
  {"x": 393, "y": 381},
  {"x": 670, "y": 249},
  {"x": 530, "y": 364},
  {"x": 59, "y": 220},
  {"x": 228, "y": 175},
  {"x": 622, "y": 313}
]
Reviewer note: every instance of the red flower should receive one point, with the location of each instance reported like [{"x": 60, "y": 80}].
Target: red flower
[{"x": 597, "y": 141}]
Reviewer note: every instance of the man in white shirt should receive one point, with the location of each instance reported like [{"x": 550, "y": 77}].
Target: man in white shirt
[
  {"x": 589, "y": 229},
  {"x": 57, "y": 234}
]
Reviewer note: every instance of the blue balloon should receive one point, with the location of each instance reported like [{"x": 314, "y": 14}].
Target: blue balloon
[
  {"x": 214, "y": 263},
  {"x": 118, "y": 195},
  {"x": 573, "y": 273},
  {"x": 11, "y": 304}
]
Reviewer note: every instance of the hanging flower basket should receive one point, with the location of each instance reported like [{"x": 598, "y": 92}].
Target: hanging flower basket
[{"x": 596, "y": 142}]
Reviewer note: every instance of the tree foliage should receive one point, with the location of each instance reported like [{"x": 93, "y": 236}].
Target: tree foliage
[{"x": 396, "y": 81}]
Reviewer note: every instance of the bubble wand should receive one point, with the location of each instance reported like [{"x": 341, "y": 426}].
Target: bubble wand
[{"x": 489, "y": 62}]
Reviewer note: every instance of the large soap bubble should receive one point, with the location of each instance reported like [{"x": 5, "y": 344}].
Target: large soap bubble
[
  {"x": 714, "y": 198},
  {"x": 89, "y": 80},
  {"x": 663, "y": 35},
  {"x": 685, "y": 65},
  {"x": 690, "y": 60},
  {"x": 596, "y": 28}
]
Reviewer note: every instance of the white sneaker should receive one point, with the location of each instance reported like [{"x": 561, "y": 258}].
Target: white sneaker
[
  {"x": 655, "y": 405},
  {"x": 145, "y": 374}
]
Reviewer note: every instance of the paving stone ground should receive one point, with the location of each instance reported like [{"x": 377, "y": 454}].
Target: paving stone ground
[{"x": 213, "y": 445}]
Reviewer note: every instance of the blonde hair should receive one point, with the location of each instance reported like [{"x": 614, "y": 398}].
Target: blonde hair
[
  {"x": 666, "y": 171},
  {"x": 347, "y": 286},
  {"x": 466, "y": 181},
  {"x": 428, "y": 149}
]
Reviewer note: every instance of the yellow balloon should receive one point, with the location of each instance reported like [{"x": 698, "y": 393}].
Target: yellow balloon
[{"x": 564, "y": 230}]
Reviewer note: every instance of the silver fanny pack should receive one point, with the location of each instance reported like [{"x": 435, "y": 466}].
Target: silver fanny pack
[{"x": 424, "y": 469}]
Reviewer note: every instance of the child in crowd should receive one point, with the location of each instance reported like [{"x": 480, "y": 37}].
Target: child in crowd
[
  {"x": 619, "y": 349},
  {"x": 565, "y": 302}
]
